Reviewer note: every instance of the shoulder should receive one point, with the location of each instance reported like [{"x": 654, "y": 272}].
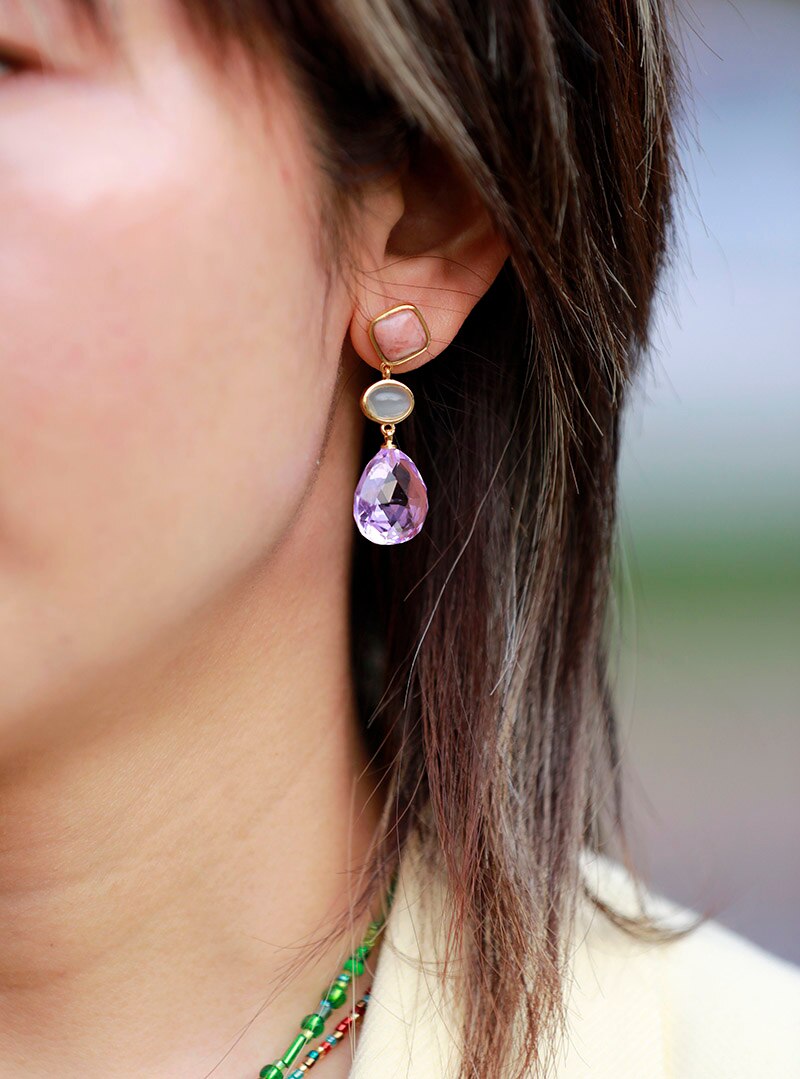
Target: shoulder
[{"x": 708, "y": 1004}]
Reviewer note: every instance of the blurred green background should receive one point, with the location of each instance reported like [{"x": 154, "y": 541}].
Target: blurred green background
[{"x": 708, "y": 670}]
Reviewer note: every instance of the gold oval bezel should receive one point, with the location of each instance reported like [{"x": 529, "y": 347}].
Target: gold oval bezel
[{"x": 382, "y": 382}]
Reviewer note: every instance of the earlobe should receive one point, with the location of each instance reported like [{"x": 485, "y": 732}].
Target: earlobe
[
  {"x": 442, "y": 283},
  {"x": 444, "y": 303}
]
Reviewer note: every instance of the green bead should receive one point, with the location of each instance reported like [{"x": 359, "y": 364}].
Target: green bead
[
  {"x": 354, "y": 965},
  {"x": 363, "y": 951},
  {"x": 336, "y": 995},
  {"x": 292, "y": 1052},
  {"x": 271, "y": 1071},
  {"x": 315, "y": 1023}
]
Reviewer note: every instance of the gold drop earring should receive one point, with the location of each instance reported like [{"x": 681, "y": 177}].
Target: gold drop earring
[{"x": 391, "y": 499}]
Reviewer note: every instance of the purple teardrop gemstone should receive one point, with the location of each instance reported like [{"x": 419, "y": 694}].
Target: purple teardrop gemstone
[{"x": 391, "y": 498}]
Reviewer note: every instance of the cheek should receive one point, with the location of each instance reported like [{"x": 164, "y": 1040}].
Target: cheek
[{"x": 162, "y": 386}]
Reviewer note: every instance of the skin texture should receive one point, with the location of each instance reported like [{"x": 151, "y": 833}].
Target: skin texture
[{"x": 183, "y": 789}]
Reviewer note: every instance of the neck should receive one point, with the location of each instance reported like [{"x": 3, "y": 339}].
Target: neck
[{"x": 159, "y": 873}]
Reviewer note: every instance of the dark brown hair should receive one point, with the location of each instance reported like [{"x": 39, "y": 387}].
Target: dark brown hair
[{"x": 479, "y": 648}]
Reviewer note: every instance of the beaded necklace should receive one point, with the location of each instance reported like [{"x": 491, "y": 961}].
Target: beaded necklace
[{"x": 333, "y": 997}]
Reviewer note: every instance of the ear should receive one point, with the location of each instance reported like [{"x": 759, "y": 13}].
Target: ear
[{"x": 426, "y": 240}]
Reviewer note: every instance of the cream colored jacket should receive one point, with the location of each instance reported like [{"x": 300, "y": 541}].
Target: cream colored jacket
[{"x": 708, "y": 1006}]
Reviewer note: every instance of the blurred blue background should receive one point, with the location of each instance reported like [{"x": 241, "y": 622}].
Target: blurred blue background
[{"x": 708, "y": 672}]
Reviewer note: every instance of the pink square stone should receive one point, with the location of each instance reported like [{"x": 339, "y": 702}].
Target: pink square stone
[{"x": 400, "y": 335}]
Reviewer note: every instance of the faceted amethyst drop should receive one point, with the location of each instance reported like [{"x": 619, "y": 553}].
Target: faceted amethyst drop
[{"x": 391, "y": 498}]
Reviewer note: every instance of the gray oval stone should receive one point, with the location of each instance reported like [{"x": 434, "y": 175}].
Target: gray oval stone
[{"x": 387, "y": 401}]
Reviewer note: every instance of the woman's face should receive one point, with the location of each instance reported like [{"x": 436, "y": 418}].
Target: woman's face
[{"x": 165, "y": 370}]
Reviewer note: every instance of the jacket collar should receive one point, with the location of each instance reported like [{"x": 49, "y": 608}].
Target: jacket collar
[{"x": 615, "y": 1025}]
